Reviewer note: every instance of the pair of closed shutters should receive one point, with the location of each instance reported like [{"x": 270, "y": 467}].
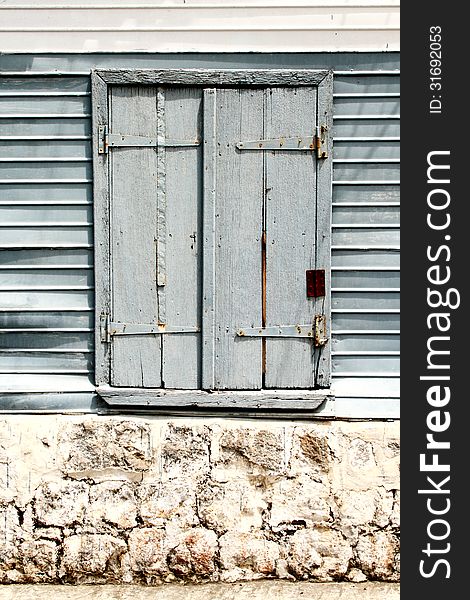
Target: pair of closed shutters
[{"x": 210, "y": 237}]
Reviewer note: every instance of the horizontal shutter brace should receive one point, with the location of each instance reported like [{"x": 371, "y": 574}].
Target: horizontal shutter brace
[
  {"x": 109, "y": 329},
  {"x": 316, "y": 331},
  {"x": 117, "y": 140},
  {"x": 304, "y": 143}
]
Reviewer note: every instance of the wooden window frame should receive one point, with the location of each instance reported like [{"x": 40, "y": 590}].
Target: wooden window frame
[{"x": 292, "y": 400}]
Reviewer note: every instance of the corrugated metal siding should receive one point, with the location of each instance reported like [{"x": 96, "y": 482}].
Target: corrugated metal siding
[
  {"x": 199, "y": 25},
  {"x": 46, "y": 254}
]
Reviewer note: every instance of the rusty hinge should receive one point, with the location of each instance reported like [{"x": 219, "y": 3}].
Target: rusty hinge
[
  {"x": 313, "y": 143},
  {"x": 108, "y": 140},
  {"x": 109, "y": 329},
  {"x": 320, "y": 141},
  {"x": 319, "y": 326},
  {"x": 316, "y": 331}
]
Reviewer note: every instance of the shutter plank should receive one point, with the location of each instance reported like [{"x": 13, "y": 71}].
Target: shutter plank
[
  {"x": 181, "y": 352},
  {"x": 290, "y": 236},
  {"x": 238, "y": 214},
  {"x": 323, "y": 220},
  {"x": 136, "y": 360}
]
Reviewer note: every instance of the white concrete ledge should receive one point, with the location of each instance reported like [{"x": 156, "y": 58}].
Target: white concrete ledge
[{"x": 263, "y": 590}]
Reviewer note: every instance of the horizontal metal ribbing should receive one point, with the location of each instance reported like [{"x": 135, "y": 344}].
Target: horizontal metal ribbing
[
  {"x": 39, "y": 94},
  {"x": 46, "y": 309},
  {"x": 366, "y": 353},
  {"x": 366, "y": 139},
  {"x": 14, "y": 203},
  {"x": 364, "y": 204},
  {"x": 365, "y": 269},
  {"x": 365, "y": 226},
  {"x": 43, "y": 138},
  {"x": 366, "y": 374},
  {"x": 46, "y": 350},
  {"x": 355, "y": 73},
  {"x": 45, "y": 116},
  {"x": 371, "y": 311},
  {"x": 42, "y": 159},
  {"x": 366, "y": 117},
  {"x": 44, "y": 246},
  {"x": 48, "y": 330},
  {"x": 116, "y": 30},
  {"x": 42, "y": 181},
  {"x": 202, "y": 5},
  {"x": 365, "y": 331},
  {"x": 53, "y": 73},
  {"x": 45, "y": 288},
  {"x": 367, "y": 95},
  {"x": 27, "y": 371},
  {"x": 72, "y": 73},
  {"x": 378, "y": 161},
  {"x": 366, "y": 182},
  {"x": 45, "y": 224},
  {"x": 365, "y": 289},
  {"x": 364, "y": 247},
  {"x": 43, "y": 267}
]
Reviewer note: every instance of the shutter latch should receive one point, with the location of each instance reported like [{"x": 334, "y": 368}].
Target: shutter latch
[
  {"x": 316, "y": 331},
  {"x": 108, "y": 140}
]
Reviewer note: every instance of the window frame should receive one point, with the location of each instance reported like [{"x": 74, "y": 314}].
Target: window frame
[{"x": 101, "y": 79}]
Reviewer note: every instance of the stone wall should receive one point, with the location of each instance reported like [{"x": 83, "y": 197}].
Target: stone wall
[{"x": 141, "y": 500}]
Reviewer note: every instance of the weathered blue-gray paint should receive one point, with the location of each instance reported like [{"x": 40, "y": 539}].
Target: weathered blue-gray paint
[{"x": 46, "y": 234}]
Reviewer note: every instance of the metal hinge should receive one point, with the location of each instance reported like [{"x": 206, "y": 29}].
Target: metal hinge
[
  {"x": 316, "y": 331},
  {"x": 315, "y": 143},
  {"x": 109, "y": 329},
  {"x": 108, "y": 140}
]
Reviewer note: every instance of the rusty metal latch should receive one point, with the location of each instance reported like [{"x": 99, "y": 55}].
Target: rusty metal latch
[
  {"x": 109, "y": 329},
  {"x": 108, "y": 140},
  {"x": 316, "y": 331},
  {"x": 313, "y": 143}
]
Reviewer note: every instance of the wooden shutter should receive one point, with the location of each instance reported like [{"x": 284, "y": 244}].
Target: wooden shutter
[
  {"x": 206, "y": 227},
  {"x": 154, "y": 236},
  {"x": 266, "y": 224}
]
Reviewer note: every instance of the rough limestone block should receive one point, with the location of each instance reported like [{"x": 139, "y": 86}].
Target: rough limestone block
[
  {"x": 195, "y": 553},
  {"x": 258, "y": 450},
  {"x": 168, "y": 501},
  {"x": 247, "y": 556},
  {"x": 365, "y": 508},
  {"x": 92, "y": 555},
  {"x": 105, "y": 448},
  {"x": 366, "y": 456},
  {"x": 320, "y": 553},
  {"x": 148, "y": 552},
  {"x": 299, "y": 501},
  {"x": 311, "y": 452},
  {"x": 61, "y": 503},
  {"x": 27, "y": 452},
  {"x": 377, "y": 555},
  {"x": 39, "y": 560},
  {"x": 112, "y": 504},
  {"x": 185, "y": 452},
  {"x": 235, "y": 506}
]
